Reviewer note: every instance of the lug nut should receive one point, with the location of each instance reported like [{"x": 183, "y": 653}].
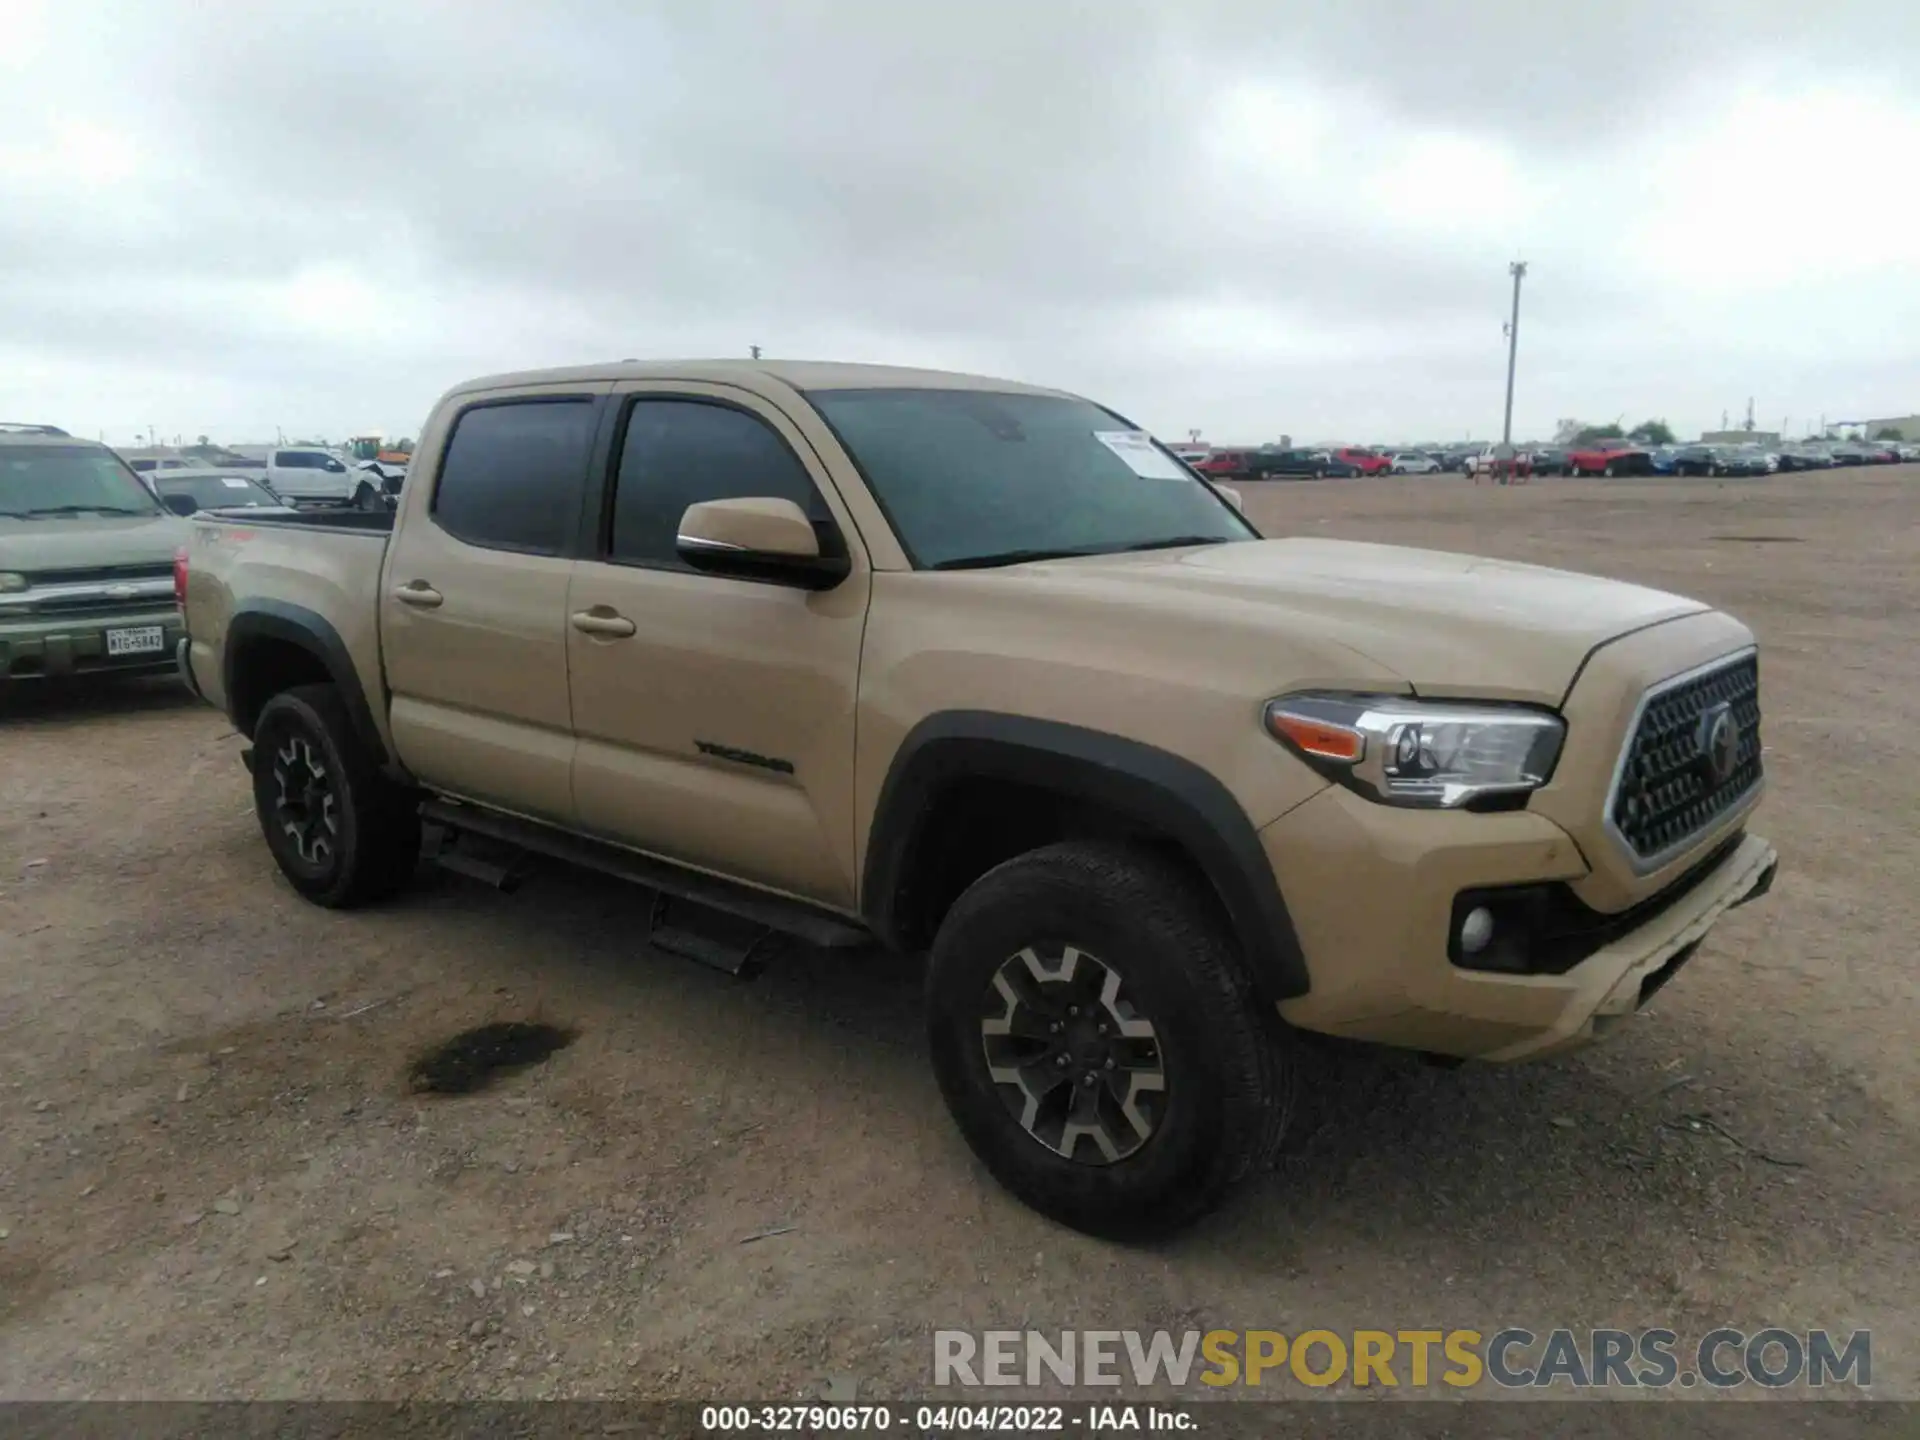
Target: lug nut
[
  {"x": 1109, "y": 1062},
  {"x": 1103, "y": 1027},
  {"x": 1063, "y": 1062},
  {"x": 1090, "y": 1078},
  {"x": 1073, "y": 1009}
]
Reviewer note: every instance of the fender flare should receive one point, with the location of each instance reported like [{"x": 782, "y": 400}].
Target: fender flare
[
  {"x": 1163, "y": 791},
  {"x": 266, "y": 619}
]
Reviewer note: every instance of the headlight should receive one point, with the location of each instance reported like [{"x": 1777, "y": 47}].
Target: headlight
[
  {"x": 1432, "y": 755},
  {"x": 12, "y": 582}
]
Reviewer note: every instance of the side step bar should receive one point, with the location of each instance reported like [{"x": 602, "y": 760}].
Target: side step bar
[{"x": 821, "y": 928}]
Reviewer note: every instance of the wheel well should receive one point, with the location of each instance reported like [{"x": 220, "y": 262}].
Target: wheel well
[
  {"x": 972, "y": 824},
  {"x": 263, "y": 668}
]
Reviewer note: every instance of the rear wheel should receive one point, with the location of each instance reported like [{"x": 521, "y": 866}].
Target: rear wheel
[
  {"x": 342, "y": 833},
  {"x": 1607, "y": 470},
  {"x": 1098, "y": 1043}
]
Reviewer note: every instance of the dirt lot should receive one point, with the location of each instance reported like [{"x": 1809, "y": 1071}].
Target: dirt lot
[{"x": 214, "y": 1181}]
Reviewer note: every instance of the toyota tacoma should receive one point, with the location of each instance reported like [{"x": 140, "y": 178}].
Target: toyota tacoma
[{"x": 980, "y": 672}]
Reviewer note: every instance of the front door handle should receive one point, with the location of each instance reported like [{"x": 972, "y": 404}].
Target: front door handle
[
  {"x": 602, "y": 621},
  {"x": 418, "y": 593}
]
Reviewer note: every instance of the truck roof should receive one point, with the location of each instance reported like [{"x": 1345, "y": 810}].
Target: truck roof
[
  {"x": 799, "y": 374},
  {"x": 60, "y": 441}
]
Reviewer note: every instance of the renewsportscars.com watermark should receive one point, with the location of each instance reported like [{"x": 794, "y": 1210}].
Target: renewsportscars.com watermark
[{"x": 1510, "y": 1358}]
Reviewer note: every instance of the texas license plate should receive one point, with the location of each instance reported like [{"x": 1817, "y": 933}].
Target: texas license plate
[{"x": 142, "y": 640}]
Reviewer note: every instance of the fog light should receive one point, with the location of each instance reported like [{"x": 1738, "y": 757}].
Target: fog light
[{"x": 1476, "y": 931}]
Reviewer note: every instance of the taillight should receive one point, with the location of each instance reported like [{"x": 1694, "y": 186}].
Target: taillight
[{"x": 180, "y": 577}]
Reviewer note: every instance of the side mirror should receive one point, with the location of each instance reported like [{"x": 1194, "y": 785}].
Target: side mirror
[
  {"x": 1232, "y": 497},
  {"x": 180, "y": 504},
  {"x": 758, "y": 538}
]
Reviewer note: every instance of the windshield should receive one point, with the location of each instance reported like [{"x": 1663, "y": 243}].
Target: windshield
[
  {"x": 69, "y": 480},
  {"x": 211, "y": 491},
  {"x": 975, "y": 477}
]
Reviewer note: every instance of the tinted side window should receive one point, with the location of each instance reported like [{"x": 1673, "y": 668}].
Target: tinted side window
[
  {"x": 512, "y": 474},
  {"x": 681, "y": 452}
]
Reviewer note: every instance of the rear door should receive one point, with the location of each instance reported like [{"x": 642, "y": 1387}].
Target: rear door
[
  {"x": 718, "y": 731},
  {"x": 474, "y": 608}
]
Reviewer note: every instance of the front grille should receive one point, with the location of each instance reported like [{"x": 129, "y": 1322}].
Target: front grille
[
  {"x": 1668, "y": 791},
  {"x": 98, "y": 605},
  {"x": 103, "y": 574}
]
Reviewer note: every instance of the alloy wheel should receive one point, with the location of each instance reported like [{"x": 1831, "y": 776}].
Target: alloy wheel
[
  {"x": 304, "y": 802},
  {"x": 1077, "y": 1064}
]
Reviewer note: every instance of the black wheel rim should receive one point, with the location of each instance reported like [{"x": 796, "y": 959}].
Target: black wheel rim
[
  {"x": 305, "y": 807},
  {"x": 1077, "y": 1064}
]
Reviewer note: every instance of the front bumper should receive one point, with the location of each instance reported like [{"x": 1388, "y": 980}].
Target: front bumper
[
  {"x": 1372, "y": 889},
  {"x": 37, "y": 647}
]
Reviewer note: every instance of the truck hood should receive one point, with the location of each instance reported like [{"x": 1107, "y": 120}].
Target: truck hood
[
  {"x": 84, "y": 542},
  {"x": 1452, "y": 625}
]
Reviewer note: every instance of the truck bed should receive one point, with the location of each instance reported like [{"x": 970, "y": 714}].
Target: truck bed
[
  {"x": 320, "y": 568},
  {"x": 378, "y": 522}
]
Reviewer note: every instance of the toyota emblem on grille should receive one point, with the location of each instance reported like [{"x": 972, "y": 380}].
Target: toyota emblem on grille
[{"x": 1718, "y": 737}]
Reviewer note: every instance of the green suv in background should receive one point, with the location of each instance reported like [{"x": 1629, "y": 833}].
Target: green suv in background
[{"x": 86, "y": 561}]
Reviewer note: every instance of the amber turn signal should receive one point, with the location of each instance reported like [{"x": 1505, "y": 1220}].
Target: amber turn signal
[{"x": 1317, "y": 738}]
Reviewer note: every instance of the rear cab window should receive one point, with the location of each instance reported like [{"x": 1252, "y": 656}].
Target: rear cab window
[{"x": 514, "y": 471}]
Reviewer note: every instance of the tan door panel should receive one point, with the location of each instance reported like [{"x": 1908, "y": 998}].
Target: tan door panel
[
  {"x": 474, "y": 634},
  {"x": 715, "y": 717}
]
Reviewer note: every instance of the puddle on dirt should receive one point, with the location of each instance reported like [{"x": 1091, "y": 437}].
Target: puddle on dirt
[
  {"x": 1761, "y": 539},
  {"x": 471, "y": 1059}
]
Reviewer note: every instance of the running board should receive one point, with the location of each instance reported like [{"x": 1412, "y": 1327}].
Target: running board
[{"x": 775, "y": 912}]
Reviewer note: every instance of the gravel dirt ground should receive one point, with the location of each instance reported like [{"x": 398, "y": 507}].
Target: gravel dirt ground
[{"x": 216, "y": 1183}]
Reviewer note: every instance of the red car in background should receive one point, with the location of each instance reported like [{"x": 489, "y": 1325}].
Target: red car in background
[
  {"x": 1367, "y": 462},
  {"x": 1609, "y": 457},
  {"x": 1227, "y": 464}
]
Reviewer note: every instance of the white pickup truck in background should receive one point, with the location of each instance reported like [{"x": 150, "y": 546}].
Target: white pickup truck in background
[{"x": 319, "y": 477}]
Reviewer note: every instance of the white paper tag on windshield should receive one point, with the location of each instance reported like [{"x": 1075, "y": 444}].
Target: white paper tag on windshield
[
  {"x": 233, "y": 484},
  {"x": 1143, "y": 457}
]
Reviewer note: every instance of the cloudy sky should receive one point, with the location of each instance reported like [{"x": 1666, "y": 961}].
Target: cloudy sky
[{"x": 1235, "y": 216}]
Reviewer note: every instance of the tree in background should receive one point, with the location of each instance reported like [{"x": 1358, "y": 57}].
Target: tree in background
[
  {"x": 1888, "y": 432},
  {"x": 1651, "y": 432},
  {"x": 405, "y": 447},
  {"x": 1593, "y": 434}
]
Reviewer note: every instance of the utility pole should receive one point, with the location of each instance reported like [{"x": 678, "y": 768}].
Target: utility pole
[
  {"x": 1518, "y": 269},
  {"x": 756, "y": 351}
]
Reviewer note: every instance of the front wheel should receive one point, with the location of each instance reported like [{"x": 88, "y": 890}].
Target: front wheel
[
  {"x": 1097, "y": 1040},
  {"x": 341, "y": 832}
]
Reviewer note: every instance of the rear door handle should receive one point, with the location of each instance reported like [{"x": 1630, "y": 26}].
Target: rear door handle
[
  {"x": 419, "y": 593},
  {"x": 602, "y": 621}
]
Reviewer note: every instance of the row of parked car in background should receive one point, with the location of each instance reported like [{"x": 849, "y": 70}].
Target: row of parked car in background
[
  {"x": 91, "y": 538},
  {"x": 1610, "y": 457},
  {"x": 297, "y": 477}
]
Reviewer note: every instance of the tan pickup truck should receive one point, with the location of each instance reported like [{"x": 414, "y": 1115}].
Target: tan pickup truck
[{"x": 981, "y": 672}]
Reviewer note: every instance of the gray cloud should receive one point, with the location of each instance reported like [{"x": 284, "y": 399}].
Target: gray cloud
[{"x": 1230, "y": 215}]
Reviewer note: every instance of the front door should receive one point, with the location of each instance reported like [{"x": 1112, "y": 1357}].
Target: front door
[{"x": 714, "y": 717}]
